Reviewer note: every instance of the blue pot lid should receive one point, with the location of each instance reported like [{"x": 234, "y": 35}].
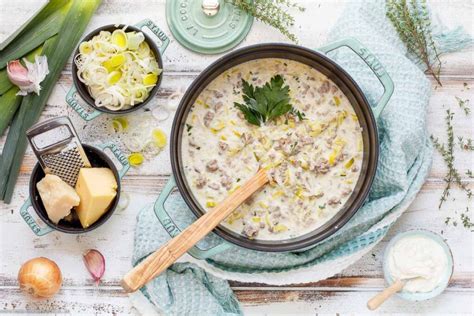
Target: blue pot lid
[{"x": 207, "y": 26}]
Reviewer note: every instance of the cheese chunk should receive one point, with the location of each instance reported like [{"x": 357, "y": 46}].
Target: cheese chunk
[
  {"x": 58, "y": 197},
  {"x": 97, "y": 189}
]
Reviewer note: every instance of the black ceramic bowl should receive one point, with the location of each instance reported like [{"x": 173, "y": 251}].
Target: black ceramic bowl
[
  {"x": 345, "y": 83},
  {"x": 82, "y": 88},
  {"x": 97, "y": 158}
]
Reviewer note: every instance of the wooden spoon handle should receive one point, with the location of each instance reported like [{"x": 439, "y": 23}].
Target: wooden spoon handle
[
  {"x": 161, "y": 259},
  {"x": 378, "y": 299}
]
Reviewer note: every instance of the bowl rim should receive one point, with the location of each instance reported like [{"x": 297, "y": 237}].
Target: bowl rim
[
  {"x": 104, "y": 218},
  {"x": 440, "y": 288},
  {"x": 81, "y": 87},
  {"x": 336, "y": 222}
]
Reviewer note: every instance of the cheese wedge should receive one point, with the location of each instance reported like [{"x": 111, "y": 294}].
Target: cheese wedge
[
  {"x": 57, "y": 196},
  {"x": 97, "y": 189}
]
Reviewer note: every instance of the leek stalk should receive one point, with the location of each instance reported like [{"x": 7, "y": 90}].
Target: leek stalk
[
  {"x": 57, "y": 51},
  {"x": 31, "y": 38},
  {"x": 9, "y": 103},
  {"x": 5, "y": 84}
]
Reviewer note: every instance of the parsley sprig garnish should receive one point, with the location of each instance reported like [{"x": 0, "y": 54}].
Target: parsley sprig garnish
[{"x": 265, "y": 103}]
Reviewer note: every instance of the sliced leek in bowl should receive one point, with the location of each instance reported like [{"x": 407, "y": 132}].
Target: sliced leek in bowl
[{"x": 117, "y": 68}]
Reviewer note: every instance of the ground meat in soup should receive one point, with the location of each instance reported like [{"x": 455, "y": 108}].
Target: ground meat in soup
[{"x": 314, "y": 163}]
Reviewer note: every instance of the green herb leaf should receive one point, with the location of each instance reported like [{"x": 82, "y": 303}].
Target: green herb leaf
[
  {"x": 271, "y": 12},
  {"x": 412, "y": 22},
  {"x": 267, "y": 102}
]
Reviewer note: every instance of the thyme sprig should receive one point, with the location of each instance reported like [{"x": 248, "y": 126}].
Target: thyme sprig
[
  {"x": 469, "y": 174},
  {"x": 466, "y": 221},
  {"x": 464, "y": 105},
  {"x": 447, "y": 152},
  {"x": 466, "y": 144},
  {"x": 453, "y": 176},
  {"x": 271, "y": 12},
  {"x": 412, "y": 22}
]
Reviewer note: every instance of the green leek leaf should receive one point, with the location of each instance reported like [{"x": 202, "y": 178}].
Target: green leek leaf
[
  {"x": 36, "y": 33},
  {"x": 58, "y": 51},
  {"x": 9, "y": 103}
]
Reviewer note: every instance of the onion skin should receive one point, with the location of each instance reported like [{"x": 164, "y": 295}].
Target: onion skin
[{"x": 40, "y": 277}]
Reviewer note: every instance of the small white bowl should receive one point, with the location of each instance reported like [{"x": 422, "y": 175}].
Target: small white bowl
[{"x": 420, "y": 296}]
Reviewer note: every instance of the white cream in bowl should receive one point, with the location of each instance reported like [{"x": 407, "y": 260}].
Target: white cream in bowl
[{"x": 420, "y": 259}]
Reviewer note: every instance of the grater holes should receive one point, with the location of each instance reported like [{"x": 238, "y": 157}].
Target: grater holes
[{"x": 65, "y": 164}]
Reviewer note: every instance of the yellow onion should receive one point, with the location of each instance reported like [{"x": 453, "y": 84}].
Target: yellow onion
[{"x": 40, "y": 277}]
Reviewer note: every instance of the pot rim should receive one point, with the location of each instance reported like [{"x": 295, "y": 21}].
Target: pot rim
[
  {"x": 334, "y": 223},
  {"x": 104, "y": 218},
  {"x": 81, "y": 87}
]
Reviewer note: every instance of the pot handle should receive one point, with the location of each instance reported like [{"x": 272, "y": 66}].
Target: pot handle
[
  {"x": 373, "y": 63},
  {"x": 24, "y": 212},
  {"x": 72, "y": 99},
  {"x": 174, "y": 230},
  {"x": 163, "y": 39},
  {"x": 119, "y": 155}
]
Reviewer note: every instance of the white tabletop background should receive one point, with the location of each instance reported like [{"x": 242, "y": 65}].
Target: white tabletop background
[{"x": 345, "y": 293}]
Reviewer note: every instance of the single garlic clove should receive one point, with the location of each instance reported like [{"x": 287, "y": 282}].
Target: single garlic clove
[
  {"x": 18, "y": 74},
  {"x": 95, "y": 264}
]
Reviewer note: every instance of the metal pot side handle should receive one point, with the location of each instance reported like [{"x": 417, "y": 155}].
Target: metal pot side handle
[
  {"x": 373, "y": 63},
  {"x": 72, "y": 98},
  {"x": 120, "y": 157},
  {"x": 24, "y": 212},
  {"x": 163, "y": 39},
  {"x": 173, "y": 229}
]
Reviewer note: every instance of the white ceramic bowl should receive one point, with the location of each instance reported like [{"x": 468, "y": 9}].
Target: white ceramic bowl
[{"x": 420, "y": 296}]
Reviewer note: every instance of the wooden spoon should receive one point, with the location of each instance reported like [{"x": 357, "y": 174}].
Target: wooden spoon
[
  {"x": 380, "y": 298},
  {"x": 161, "y": 259}
]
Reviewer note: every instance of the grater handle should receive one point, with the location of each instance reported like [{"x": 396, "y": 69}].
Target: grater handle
[{"x": 48, "y": 125}]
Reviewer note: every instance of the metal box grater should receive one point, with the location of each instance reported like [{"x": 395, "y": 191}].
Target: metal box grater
[{"x": 63, "y": 158}]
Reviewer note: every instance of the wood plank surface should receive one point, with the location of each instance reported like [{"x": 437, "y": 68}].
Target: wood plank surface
[{"x": 345, "y": 293}]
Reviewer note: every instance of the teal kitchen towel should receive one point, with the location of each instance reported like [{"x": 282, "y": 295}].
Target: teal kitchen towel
[{"x": 405, "y": 160}]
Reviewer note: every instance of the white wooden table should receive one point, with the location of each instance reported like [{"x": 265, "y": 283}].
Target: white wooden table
[{"x": 347, "y": 292}]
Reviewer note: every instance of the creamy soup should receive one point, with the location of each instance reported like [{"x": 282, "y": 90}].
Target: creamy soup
[{"x": 313, "y": 163}]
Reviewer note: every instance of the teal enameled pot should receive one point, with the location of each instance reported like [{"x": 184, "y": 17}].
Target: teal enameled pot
[{"x": 317, "y": 59}]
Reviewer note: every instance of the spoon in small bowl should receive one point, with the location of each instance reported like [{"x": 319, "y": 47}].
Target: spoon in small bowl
[
  {"x": 170, "y": 252},
  {"x": 395, "y": 287}
]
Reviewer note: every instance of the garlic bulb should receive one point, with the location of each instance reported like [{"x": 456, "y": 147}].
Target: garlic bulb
[
  {"x": 40, "y": 277},
  {"x": 28, "y": 79}
]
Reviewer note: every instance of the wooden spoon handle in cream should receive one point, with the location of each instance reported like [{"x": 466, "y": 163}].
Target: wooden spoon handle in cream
[
  {"x": 161, "y": 259},
  {"x": 378, "y": 299}
]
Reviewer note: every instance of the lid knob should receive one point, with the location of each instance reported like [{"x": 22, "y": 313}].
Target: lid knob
[
  {"x": 207, "y": 26},
  {"x": 210, "y": 7}
]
